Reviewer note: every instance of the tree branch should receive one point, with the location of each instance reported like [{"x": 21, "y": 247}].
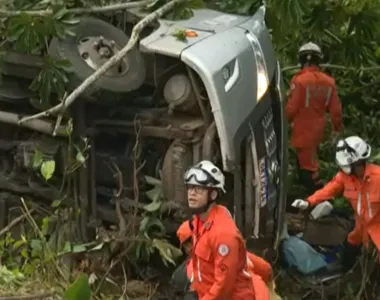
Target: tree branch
[
  {"x": 14, "y": 222},
  {"x": 338, "y": 67},
  {"x": 36, "y": 125},
  {"x": 96, "y": 9},
  {"x": 110, "y": 63},
  {"x": 29, "y": 297}
]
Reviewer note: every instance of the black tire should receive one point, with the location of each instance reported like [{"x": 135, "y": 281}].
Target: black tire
[
  {"x": 14, "y": 90},
  {"x": 67, "y": 49}
]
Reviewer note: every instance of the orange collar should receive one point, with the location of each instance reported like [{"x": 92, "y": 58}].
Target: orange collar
[
  {"x": 207, "y": 224},
  {"x": 367, "y": 174}
]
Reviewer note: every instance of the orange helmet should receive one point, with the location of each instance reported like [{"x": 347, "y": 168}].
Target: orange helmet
[{"x": 184, "y": 232}]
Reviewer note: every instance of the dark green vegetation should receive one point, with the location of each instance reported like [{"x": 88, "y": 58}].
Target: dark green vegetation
[{"x": 348, "y": 32}]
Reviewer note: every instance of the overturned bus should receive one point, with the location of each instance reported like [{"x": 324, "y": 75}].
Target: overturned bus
[{"x": 216, "y": 95}]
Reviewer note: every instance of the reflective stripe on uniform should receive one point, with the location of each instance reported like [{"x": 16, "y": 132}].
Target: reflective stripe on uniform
[
  {"x": 369, "y": 205},
  {"x": 328, "y": 96},
  {"x": 307, "y": 99},
  {"x": 359, "y": 205},
  {"x": 199, "y": 270},
  {"x": 307, "y": 96}
]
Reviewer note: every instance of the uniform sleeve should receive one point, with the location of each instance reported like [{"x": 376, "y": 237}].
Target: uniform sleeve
[
  {"x": 355, "y": 237},
  {"x": 335, "y": 110},
  {"x": 227, "y": 264},
  {"x": 261, "y": 267},
  {"x": 184, "y": 232},
  {"x": 295, "y": 99},
  {"x": 332, "y": 189}
]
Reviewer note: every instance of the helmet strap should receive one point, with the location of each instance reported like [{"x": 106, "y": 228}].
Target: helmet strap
[{"x": 354, "y": 170}]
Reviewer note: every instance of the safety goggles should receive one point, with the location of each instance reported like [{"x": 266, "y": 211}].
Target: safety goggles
[
  {"x": 199, "y": 176},
  {"x": 345, "y": 147}
]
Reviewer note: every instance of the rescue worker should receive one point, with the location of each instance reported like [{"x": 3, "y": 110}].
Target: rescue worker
[
  {"x": 260, "y": 270},
  {"x": 312, "y": 94},
  {"x": 359, "y": 182},
  {"x": 218, "y": 254},
  {"x": 255, "y": 264}
]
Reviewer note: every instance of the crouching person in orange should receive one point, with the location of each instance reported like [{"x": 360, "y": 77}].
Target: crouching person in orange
[
  {"x": 259, "y": 269},
  {"x": 359, "y": 182},
  {"x": 218, "y": 254},
  {"x": 312, "y": 93}
]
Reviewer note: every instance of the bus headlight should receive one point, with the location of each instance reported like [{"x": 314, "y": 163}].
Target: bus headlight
[{"x": 261, "y": 68}]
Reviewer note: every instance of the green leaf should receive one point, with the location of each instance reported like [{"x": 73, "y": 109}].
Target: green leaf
[
  {"x": 79, "y": 290},
  {"x": 29, "y": 269},
  {"x": 180, "y": 35},
  {"x": 154, "y": 194},
  {"x": 144, "y": 223},
  {"x": 71, "y": 21},
  {"x": 150, "y": 222},
  {"x": 153, "y": 206},
  {"x": 376, "y": 157},
  {"x": 97, "y": 247},
  {"x": 37, "y": 159},
  {"x": 27, "y": 32},
  {"x": 56, "y": 203},
  {"x": 153, "y": 181},
  {"x": 24, "y": 253},
  {"x": 79, "y": 248},
  {"x": 53, "y": 77},
  {"x": 45, "y": 225},
  {"x": 167, "y": 251},
  {"x": 18, "y": 244},
  {"x": 36, "y": 245},
  {"x": 80, "y": 158},
  {"x": 47, "y": 169}
]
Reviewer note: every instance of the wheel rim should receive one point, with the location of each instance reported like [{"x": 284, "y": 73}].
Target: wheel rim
[{"x": 96, "y": 51}]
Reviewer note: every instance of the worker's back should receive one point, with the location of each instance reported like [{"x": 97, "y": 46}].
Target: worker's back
[
  {"x": 318, "y": 89},
  {"x": 312, "y": 94}
]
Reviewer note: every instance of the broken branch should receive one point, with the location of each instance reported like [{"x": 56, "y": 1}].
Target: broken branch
[
  {"x": 119, "y": 213},
  {"x": 14, "y": 223},
  {"x": 337, "y": 67},
  {"x": 36, "y": 125},
  {"x": 110, "y": 63},
  {"x": 96, "y": 9},
  {"x": 29, "y": 297}
]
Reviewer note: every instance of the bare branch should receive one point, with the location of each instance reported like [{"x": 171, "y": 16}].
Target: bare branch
[
  {"x": 96, "y": 9},
  {"x": 60, "y": 116},
  {"x": 338, "y": 67},
  {"x": 110, "y": 63},
  {"x": 14, "y": 222},
  {"x": 36, "y": 125},
  {"x": 29, "y": 297}
]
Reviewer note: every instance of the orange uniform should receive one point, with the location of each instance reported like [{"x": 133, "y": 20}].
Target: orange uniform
[
  {"x": 259, "y": 281},
  {"x": 255, "y": 264},
  {"x": 260, "y": 271},
  {"x": 312, "y": 94},
  {"x": 364, "y": 198},
  {"x": 259, "y": 266},
  {"x": 219, "y": 259}
]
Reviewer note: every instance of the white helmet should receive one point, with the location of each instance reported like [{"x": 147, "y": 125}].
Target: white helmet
[
  {"x": 351, "y": 150},
  {"x": 205, "y": 173},
  {"x": 310, "y": 49}
]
